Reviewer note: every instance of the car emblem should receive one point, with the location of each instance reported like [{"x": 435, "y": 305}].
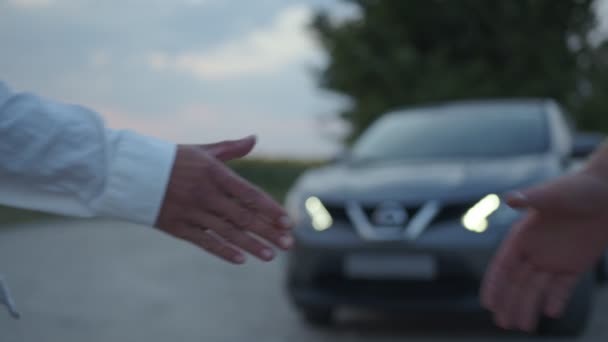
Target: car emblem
[{"x": 390, "y": 214}]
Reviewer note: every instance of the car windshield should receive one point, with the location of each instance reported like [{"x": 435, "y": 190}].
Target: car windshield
[{"x": 477, "y": 132}]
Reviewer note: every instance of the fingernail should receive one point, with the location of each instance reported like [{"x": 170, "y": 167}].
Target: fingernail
[
  {"x": 239, "y": 259},
  {"x": 519, "y": 195},
  {"x": 286, "y": 241},
  {"x": 267, "y": 254},
  {"x": 285, "y": 222}
]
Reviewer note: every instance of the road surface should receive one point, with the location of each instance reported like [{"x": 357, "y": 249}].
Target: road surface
[{"x": 106, "y": 281}]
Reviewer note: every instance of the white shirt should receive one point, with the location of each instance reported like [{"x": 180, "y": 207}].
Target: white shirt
[{"x": 61, "y": 159}]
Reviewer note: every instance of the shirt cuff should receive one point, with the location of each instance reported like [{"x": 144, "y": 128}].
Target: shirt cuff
[{"x": 139, "y": 172}]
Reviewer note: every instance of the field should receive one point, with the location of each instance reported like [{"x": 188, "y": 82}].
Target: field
[{"x": 274, "y": 176}]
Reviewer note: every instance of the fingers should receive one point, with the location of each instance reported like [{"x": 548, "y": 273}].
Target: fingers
[
  {"x": 557, "y": 196},
  {"x": 231, "y": 149},
  {"x": 493, "y": 286},
  {"x": 496, "y": 287},
  {"x": 518, "y": 303},
  {"x": 493, "y": 283},
  {"x": 206, "y": 240},
  {"x": 250, "y": 197},
  {"x": 559, "y": 294},
  {"x": 247, "y": 219},
  {"x": 506, "y": 261},
  {"x": 531, "y": 299},
  {"x": 235, "y": 236},
  {"x": 540, "y": 197},
  {"x": 506, "y": 301},
  {"x": 519, "y": 294},
  {"x": 501, "y": 286}
]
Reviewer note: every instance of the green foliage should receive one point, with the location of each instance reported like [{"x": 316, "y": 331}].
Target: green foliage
[
  {"x": 403, "y": 53},
  {"x": 9, "y": 216}
]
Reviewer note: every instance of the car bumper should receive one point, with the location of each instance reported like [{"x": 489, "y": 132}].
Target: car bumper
[{"x": 318, "y": 276}]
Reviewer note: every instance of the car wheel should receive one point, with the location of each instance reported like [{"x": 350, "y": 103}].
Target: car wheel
[
  {"x": 321, "y": 317},
  {"x": 575, "y": 318}
]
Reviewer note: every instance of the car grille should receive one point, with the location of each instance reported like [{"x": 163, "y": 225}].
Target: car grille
[
  {"x": 452, "y": 212},
  {"x": 338, "y": 213},
  {"x": 448, "y": 212}
]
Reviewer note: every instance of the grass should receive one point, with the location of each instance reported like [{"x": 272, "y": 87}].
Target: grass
[
  {"x": 13, "y": 216},
  {"x": 274, "y": 176}
]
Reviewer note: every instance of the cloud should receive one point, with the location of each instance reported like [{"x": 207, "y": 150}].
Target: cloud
[
  {"x": 100, "y": 58},
  {"x": 95, "y": 56},
  {"x": 30, "y": 4},
  {"x": 284, "y": 42},
  {"x": 197, "y": 2}
]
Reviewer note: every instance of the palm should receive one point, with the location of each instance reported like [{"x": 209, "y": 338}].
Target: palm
[
  {"x": 561, "y": 237},
  {"x": 550, "y": 243}
]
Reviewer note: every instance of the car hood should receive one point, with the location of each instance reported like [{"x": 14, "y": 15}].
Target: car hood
[{"x": 423, "y": 181}]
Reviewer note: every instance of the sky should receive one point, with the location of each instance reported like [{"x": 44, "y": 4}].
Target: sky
[{"x": 187, "y": 71}]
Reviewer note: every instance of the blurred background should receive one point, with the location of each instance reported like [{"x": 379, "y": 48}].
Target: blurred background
[{"x": 308, "y": 77}]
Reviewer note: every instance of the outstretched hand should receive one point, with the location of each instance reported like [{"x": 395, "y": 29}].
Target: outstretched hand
[
  {"x": 561, "y": 237},
  {"x": 210, "y": 206}
]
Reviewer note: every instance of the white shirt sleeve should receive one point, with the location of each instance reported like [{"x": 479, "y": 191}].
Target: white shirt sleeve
[{"x": 61, "y": 159}]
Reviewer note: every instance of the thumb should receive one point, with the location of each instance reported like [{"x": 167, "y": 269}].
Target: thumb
[
  {"x": 542, "y": 197},
  {"x": 518, "y": 200},
  {"x": 231, "y": 149}
]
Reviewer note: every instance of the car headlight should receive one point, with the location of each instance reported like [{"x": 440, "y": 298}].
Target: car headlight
[
  {"x": 320, "y": 217},
  {"x": 476, "y": 218}
]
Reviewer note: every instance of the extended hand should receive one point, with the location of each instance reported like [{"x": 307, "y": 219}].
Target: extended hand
[
  {"x": 562, "y": 236},
  {"x": 212, "y": 207}
]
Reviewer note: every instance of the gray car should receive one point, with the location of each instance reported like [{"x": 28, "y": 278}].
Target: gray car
[{"x": 411, "y": 215}]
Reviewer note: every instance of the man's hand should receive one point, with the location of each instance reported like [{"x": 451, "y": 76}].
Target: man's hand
[
  {"x": 561, "y": 237},
  {"x": 209, "y": 205}
]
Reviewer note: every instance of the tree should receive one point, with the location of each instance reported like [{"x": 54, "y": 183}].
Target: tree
[{"x": 403, "y": 53}]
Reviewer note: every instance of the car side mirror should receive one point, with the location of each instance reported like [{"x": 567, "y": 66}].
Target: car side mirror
[{"x": 585, "y": 143}]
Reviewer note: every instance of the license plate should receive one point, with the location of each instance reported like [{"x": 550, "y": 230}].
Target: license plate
[{"x": 399, "y": 267}]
